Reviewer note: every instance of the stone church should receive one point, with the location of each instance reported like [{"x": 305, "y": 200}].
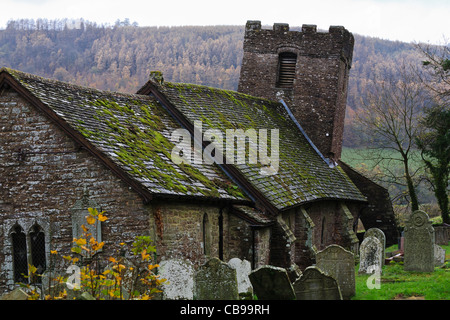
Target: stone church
[{"x": 66, "y": 148}]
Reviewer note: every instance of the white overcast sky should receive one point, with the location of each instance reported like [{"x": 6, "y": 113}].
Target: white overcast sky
[{"x": 404, "y": 20}]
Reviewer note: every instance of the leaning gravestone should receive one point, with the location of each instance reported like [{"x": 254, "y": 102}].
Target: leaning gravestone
[
  {"x": 338, "y": 263},
  {"x": 370, "y": 256},
  {"x": 379, "y": 234},
  {"x": 419, "y": 243},
  {"x": 439, "y": 256},
  {"x": 313, "y": 284},
  {"x": 180, "y": 279},
  {"x": 216, "y": 280},
  {"x": 272, "y": 283},
  {"x": 243, "y": 269}
]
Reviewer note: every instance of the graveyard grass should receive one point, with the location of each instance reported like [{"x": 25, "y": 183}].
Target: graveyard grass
[{"x": 396, "y": 283}]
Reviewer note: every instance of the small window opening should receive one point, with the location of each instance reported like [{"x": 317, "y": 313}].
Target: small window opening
[{"x": 286, "y": 69}]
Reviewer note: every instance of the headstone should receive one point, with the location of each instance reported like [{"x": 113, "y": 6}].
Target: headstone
[
  {"x": 338, "y": 263},
  {"x": 439, "y": 256},
  {"x": 271, "y": 283},
  {"x": 180, "y": 279},
  {"x": 243, "y": 269},
  {"x": 313, "y": 284},
  {"x": 379, "y": 234},
  {"x": 215, "y": 280},
  {"x": 370, "y": 256},
  {"x": 419, "y": 243},
  {"x": 16, "y": 294},
  {"x": 442, "y": 234}
]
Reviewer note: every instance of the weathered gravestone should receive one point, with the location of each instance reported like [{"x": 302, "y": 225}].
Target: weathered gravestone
[
  {"x": 338, "y": 263},
  {"x": 243, "y": 269},
  {"x": 313, "y": 284},
  {"x": 379, "y": 234},
  {"x": 370, "y": 256},
  {"x": 419, "y": 243},
  {"x": 216, "y": 280},
  {"x": 271, "y": 283},
  {"x": 441, "y": 234},
  {"x": 439, "y": 256},
  {"x": 180, "y": 279}
]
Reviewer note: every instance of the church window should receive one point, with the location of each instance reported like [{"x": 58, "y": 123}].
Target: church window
[
  {"x": 28, "y": 250},
  {"x": 286, "y": 69},
  {"x": 37, "y": 246}
]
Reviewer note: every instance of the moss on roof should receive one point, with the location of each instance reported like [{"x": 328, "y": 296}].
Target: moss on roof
[
  {"x": 132, "y": 130},
  {"x": 303, "y": 175}
]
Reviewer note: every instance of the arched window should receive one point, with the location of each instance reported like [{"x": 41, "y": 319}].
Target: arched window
[
  {"x": 19, "y": 250},
  {"x": 287, "y": 62},
  {"x": 37, "y": 244}
]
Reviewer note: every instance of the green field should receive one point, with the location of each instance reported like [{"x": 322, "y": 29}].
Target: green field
[
  {"x": 367, "y": 162},
  {"x": 397, "y": 283}
]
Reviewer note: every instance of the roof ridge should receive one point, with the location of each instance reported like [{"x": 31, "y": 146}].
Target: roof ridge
[
  {"x": 244, "y": 95},
  {"x": 19, "y": 75}
]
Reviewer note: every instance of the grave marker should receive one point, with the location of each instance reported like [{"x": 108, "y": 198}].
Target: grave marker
[
  {"x": 271, "y": 283},
  {"x": 379, "y": 234},
  {"x": 370, "y": 256},
  {"x": 338, "y": 263},
  {"x": 180, "y": 279},
  {"x": 216, "y": 280},
  {"x": 243, "y": 269},
  {"x": 419, "y": 243},
  {"x": 313, "y": 284},
  {"x": 439, "y": 256}
]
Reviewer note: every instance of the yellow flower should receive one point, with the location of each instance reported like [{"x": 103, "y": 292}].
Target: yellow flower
[
  {"x": 53, "y": 252},
  {"x": 90, "y": 219}
]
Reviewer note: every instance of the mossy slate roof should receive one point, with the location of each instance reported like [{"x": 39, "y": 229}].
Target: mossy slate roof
[
  {"x": 303, "y": 175},
  {"x": 134, "y": 132}
]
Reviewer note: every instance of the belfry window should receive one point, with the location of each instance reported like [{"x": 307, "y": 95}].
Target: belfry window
[{"x": 286, "y": 69}]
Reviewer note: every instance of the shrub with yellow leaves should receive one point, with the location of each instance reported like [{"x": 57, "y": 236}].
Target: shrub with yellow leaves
[{"x": 122, "y": 279}]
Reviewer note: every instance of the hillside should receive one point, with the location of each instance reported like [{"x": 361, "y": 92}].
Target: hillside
[{"x": 120, "y": 57}]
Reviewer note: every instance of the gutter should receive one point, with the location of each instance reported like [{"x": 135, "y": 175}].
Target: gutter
[{"x": 329, "y": 162}]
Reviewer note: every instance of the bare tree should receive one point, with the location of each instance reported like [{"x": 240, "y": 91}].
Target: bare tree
[
  {"x": 435, "y": 71},
  {"x": 389, "y": 124},
  {"x": 434, "y": 141}
]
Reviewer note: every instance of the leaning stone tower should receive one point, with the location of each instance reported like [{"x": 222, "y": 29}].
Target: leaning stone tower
[{"x": 308, "y": 70}]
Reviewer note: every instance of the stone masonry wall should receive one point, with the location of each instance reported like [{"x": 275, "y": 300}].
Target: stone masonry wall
[
  {"x": 39, "y": 184},
  {"x": 43, "y": 173}
]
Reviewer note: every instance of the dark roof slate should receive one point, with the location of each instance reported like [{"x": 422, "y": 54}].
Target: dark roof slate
[
  {"x": 132, "y": 130},
  {"x": 303, "y": 175}
]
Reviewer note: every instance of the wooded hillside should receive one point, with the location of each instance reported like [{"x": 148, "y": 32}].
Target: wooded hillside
[{"x": 120, "y": 57}]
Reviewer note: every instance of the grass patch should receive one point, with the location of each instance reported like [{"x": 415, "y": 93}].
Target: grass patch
[{"x": 396, "y": 282}]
